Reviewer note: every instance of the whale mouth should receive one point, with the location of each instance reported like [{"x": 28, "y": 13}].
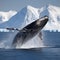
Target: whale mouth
[{"x": 44, "y": 18}]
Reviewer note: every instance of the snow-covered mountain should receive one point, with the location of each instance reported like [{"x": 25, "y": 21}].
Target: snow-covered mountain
[
  {"x": 29, "y": 14},
  {"x": 53, "y": 13},
  {"x": 22, "y": 18},
  {"x": 5, "y": 16}
]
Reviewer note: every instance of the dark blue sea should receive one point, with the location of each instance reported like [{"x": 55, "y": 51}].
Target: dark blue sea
[{"x": 46, "y": 53}]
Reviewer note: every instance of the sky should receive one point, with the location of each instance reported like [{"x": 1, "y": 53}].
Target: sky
[{"x": 6, "y": 5}]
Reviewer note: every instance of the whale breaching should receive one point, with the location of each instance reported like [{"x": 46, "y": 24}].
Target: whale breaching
[{"x": 29, "y": 31}]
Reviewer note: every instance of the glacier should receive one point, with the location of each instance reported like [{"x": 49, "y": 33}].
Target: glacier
[{"x": 26, "y": 16}]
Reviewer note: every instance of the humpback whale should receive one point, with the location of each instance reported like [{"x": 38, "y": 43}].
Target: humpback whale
[{"x": 29, "y": 31}]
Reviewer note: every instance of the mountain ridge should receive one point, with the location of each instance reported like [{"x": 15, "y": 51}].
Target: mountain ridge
[{"x": 29, "y": 14}]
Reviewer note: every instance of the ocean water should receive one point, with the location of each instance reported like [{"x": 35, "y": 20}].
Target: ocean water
[
  {"x": 51, "y": 38},
  {"x": 44, "y": 53}
]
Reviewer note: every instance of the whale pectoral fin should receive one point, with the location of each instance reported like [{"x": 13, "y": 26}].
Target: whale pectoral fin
[{"x": 40, "y": 36}]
